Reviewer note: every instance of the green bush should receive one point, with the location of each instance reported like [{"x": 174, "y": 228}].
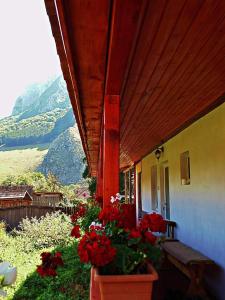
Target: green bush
[
  {"x": 91, "y": 215},
  {"x": 48, "y": 231}
]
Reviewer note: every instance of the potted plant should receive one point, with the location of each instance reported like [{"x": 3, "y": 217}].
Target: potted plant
[{"x": 122, "y": 256}]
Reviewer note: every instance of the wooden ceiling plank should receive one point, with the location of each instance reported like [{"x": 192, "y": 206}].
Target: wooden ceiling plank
[
  {"x": 189, "y": 41},
  {"x": 124, "y": 24},
  {"x": 171, "y": 118},
  {"x": 170, "y": 16},
  {"x": 181, "y": 114},
  {"x": 147, "y": 113},
  {"x": 152, "y": 21},
  {"x": 198, "y": 82},
  {"x": 184, "y": 23}
]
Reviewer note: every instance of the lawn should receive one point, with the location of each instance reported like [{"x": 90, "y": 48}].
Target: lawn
[
  {"x": 17, "y": 161},
  {"x": 23, "y": 248}
]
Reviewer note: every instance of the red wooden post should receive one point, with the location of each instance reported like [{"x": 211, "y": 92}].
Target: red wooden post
[{"x": 111, "y": 147}]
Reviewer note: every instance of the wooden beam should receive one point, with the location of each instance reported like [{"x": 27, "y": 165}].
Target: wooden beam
[
  {"x": 124, "y": 24},
  {"x": 111, "y": 148}
]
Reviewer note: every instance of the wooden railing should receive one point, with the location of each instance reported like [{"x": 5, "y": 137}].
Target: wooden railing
[{"x": 12, "y": 216}]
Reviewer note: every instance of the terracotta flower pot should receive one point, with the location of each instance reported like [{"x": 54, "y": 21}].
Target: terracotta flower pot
[{"x": 124, "y": 287}]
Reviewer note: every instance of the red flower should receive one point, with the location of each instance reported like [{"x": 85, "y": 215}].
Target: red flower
[
  {"x": 122, "y": 214},
  {"x": 96, "y": 249},
  {"x": 154, "y": 222},
  {"x": 134, "y": 234},
  {"x": 79, "y": 213},
  {"x": 109, "y": 214},
  {"x": 76, "y": 231},
  {"x": 49, "y": 264},
  {"x": 150, "y": 238}
]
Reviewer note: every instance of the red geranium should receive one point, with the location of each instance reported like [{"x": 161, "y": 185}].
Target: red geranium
[
  {"x": 135, "y": 234},
  {"x": 109, "y": 214},
  {"x": 79, "y": 213},
  {"x": 76, "y": 231},
  {"x": 119, "y": 246},
  {"x": 150, "y": 237},
  {"x": 154, "y": 222},
  {"x": 122, "y": 214},
  {"x": 49, "y": 264},
  {"x": 96, "y": 249}
]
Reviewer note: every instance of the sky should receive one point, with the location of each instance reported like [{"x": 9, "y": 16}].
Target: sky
[{"x": 27, "y": 49}]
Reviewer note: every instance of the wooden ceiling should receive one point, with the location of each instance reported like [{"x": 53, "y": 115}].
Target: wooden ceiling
[{"x": 169, "y": 67}]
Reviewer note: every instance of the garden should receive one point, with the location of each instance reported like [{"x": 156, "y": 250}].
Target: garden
[
  {"x": 50, "y": 234},
  {"x": 54, "y": 254}
]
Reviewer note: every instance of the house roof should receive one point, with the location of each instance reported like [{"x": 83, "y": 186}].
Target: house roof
[
  {"x": 48, "y": 194},
  {"x": 165, "y": 59},
  {"x": 14, "y": 195}
]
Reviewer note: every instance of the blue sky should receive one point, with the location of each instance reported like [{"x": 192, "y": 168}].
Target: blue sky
[{"x": 27, "y": 52}]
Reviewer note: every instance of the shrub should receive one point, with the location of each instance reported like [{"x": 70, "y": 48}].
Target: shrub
[
  {"x": 85, "y": 213},
  {"x": 48, "y": 231}
]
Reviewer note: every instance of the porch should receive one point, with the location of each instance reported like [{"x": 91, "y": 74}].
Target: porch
[{"x": 140, "y": 74}]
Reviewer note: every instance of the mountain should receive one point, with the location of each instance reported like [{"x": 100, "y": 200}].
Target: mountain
[
  {"x": 41, "y": 98},
  {"x": 39, "y": 115},
  {"x": 65, "y": 157},
  {"x": 29, "y": 97},
  {"x": 41, "y": 134}
]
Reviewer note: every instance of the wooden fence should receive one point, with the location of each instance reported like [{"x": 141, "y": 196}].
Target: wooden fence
[{"x": 12, "y": 216}]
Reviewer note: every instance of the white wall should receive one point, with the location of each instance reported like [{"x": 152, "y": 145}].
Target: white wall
[{"x": 198, "y": 208}]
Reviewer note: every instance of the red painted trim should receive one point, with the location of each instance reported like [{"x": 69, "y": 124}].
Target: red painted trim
[
  {"x": 55, "y": 9},
  {"x": 124, "y": 24},
  {"x": 111, "y": 147}
]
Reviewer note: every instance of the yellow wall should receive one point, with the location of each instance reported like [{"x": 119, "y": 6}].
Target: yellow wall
[{"x": 198, "y": 208}]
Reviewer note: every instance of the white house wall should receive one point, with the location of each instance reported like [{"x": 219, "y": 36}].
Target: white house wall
[{"x": 198, "y": 208}]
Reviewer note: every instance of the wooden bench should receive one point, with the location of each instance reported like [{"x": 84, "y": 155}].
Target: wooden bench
[{"x": 190, "y": 262}]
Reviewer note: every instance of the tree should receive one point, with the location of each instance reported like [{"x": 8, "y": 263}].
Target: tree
[
  {"x": 91, "y": 181},
  {"x": 53, "y": 183}
]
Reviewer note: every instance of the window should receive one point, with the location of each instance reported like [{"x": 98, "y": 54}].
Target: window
[
  {"x": 129, "y": 186},
  {"x": 154, "y": 194},
  {"x": 185, "y": 168},
  {"x": 139, "y": 196}
]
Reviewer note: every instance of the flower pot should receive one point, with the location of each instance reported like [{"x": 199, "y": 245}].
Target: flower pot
[
  {"x": 94, "y": 287},
  {"x": 126, "y": 287}
]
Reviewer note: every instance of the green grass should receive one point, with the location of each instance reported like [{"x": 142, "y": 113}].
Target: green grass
[
  {"x": 22, "y": 249},
  {"x": 71, "y": 283},
  {"x": 21, "y": 160}
]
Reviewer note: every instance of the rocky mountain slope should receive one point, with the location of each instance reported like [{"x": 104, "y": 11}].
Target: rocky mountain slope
[
  {"x": 39, "y": 115},
  {"x": 65, "y": 157},
  {"x": 43, "y": 115},
  {"x": 42, "y": 98}
]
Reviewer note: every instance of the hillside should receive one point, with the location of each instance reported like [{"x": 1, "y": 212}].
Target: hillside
[
  {"x": 41, "y": 98},
  {"x": 42, "y": 115},
  {"x": 39, "y": 115},
  {"x": 14, "y": 162},
  {"x": 67, "y": 167}
]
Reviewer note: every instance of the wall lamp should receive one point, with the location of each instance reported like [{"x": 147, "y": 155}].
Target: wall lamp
[{"x": 158, "y": 152}]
